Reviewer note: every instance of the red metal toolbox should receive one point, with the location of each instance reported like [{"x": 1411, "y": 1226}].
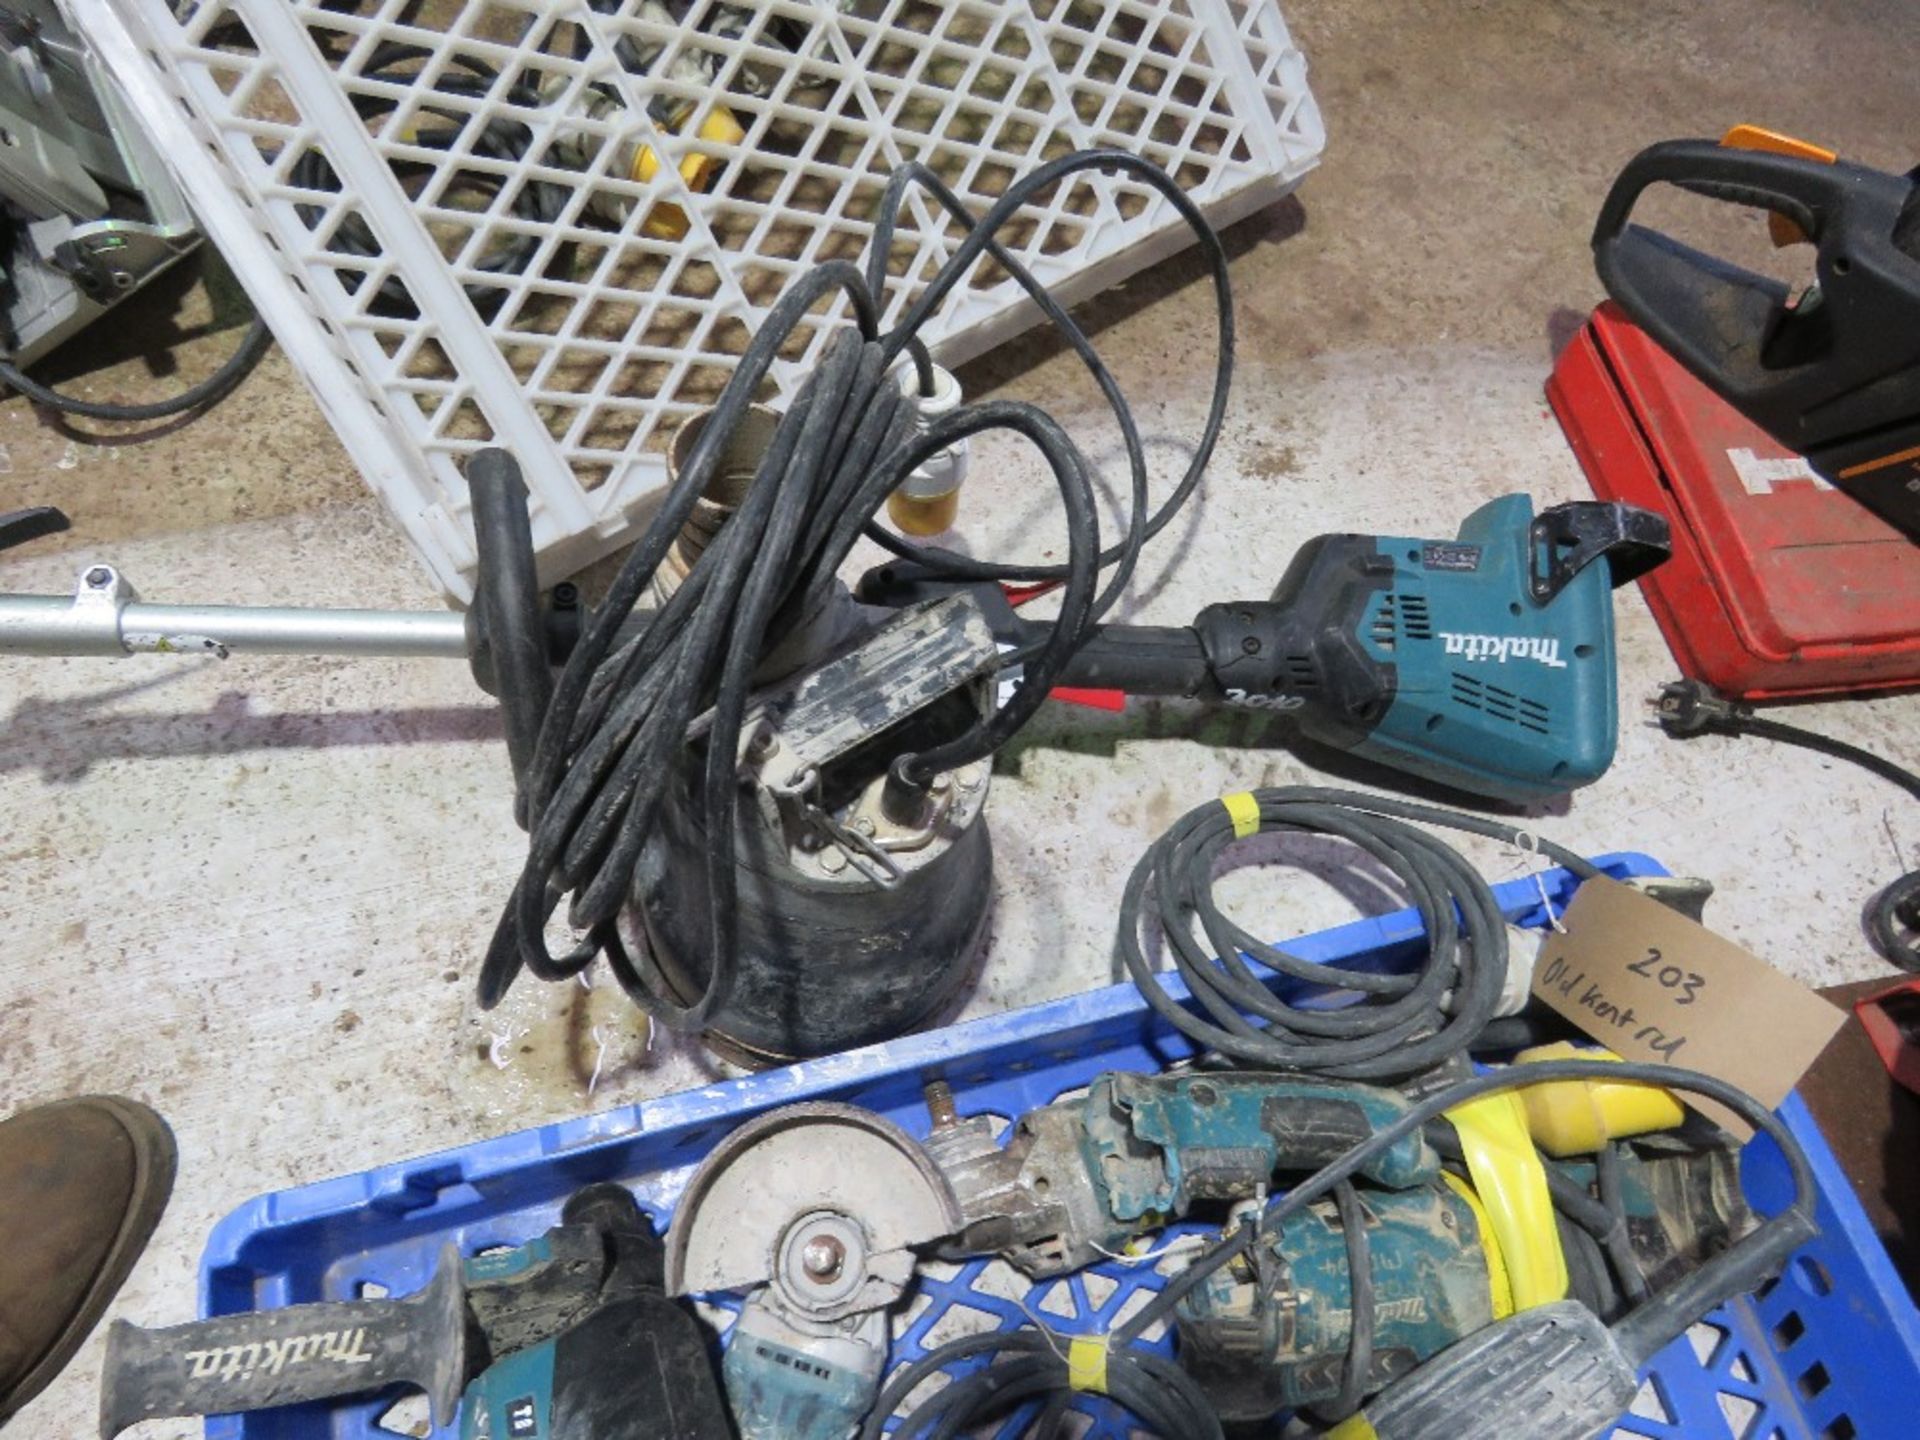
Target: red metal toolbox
[{"x": 1779, "y": 584}]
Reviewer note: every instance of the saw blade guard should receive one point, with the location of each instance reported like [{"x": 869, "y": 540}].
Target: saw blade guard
[{"x": 821, "y": 1201}]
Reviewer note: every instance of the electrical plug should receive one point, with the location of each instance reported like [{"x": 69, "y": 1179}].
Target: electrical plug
[{"x": 1687, "y": 707}]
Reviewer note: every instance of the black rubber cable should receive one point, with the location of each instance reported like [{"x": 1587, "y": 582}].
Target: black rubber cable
[
  {"x": 235, "y": 368},
  {"x": 1897, "y": 906},
  {"x": 1894, "y": 910},
  {"x": 506, "y": 142},
  {"x": 1633, "y": 1282},
  {"x": 510, "y": 641},
  {"x": 1144, "y": 525},
  {"x": 1591, "y": 1278},
  {"x": 1405, "y": 1023},
  {"x": 618, "y": 722},
  {"x": 1839, "y": 749},
  {"x": 1150, "y": 1387},
  {"x": 1357, "y": 1370},
  {"x": 1687, "y": 708},
  {"x": 1038, "y": 1370},
  {"x": 1603, "y": 1221}
]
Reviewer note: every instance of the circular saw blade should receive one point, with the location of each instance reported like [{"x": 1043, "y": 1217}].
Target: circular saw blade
[{"x": 796, "y": 1161}]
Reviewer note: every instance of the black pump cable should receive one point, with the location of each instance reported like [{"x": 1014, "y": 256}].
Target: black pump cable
[
  {"x": 616, "y": 728},
  {"x": 1405, "y": 1023}
]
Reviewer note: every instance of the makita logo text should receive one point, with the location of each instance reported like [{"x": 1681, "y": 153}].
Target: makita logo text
[
  {"x": 1504, "y": 648},
  {"x": 270, "y": 1357}
]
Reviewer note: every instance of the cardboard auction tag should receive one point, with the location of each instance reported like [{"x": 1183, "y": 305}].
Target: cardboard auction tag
[{"x": 1653, "y": 986}]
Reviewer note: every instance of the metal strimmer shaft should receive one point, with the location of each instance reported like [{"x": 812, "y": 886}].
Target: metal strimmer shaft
[{"x": 104, "y": 617}]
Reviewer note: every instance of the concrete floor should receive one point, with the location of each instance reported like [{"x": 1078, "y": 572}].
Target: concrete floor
[{"x": 255, "y": 894}]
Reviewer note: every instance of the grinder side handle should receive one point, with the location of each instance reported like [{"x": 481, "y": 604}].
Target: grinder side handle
[{"x": 261, "y": 1359}]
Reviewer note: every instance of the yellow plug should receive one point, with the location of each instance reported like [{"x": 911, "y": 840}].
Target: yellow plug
[
  {"x": 1577, "y": 1117},
  {"x": 667, "y": 221}
]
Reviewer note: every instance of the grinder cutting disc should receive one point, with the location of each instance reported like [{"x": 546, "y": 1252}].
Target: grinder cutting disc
[{"x": 820, "y": 1199}]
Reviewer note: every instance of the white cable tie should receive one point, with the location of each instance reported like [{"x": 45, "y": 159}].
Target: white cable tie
[
  {"x": 495, "y": 1051},
  {"x": 599, "y": 1059},
  {"x": 1178, "y": 1242},
  {"x": 1047, "y": 1332},
  {"x": 1546, "y": 901},
  {"x": 1529, "y": 847}
]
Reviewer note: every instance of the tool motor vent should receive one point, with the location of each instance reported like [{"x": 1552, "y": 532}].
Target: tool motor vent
[
  {"x": 1500, "y": 703},
  {"x": 1399, "y": 617}
]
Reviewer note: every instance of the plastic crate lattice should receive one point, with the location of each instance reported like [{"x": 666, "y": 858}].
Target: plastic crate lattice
[{"x": 433, "y": 204}]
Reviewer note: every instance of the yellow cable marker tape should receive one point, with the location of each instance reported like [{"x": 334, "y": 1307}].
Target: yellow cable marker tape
[
  {"x": 1511, "y": 1181},
  {"x": 1354, "y": 1427},
  {"x": 1244, "y": 811},
  {"x": 1087, "y": 1364},
  {"x": 1497, "y": 1278}
]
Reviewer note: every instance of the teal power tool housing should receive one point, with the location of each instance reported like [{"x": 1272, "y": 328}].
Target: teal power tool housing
[
  {"x": 1484, "y": 662},
  {"x": 1272, "y": 1332},
  {"x": 635, "y": 1366},
  {"x": 1079, "y": 1179},
  {"x": 1495, "y": 649},
  {"x": 1274, "y": 1329},
  {"x": 636, "y": 1363}
]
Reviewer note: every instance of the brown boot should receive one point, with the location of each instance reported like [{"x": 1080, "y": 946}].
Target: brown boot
[{"x": 82, "y": 1184}]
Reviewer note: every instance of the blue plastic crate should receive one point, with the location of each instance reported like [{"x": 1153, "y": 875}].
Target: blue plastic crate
[{"x": 1830, "y": 1352}]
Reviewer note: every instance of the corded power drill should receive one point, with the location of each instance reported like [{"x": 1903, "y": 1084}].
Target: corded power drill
[
  {"x": 1079, "y": 1179},
  {"x": 1272, "y": 1330}
]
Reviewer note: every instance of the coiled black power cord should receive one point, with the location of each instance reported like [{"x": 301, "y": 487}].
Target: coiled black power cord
[
  {"x": 1406, "y": 1023},
  {"x": 537, "y": 202},
  {"x": 1029, "y": 1367},
  {"x": 616, "y": 728}
]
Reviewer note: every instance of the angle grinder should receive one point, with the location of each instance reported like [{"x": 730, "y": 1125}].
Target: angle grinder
[
  {"x": 562, "y": 1338},
  {"x": 816, "y": 1212}
]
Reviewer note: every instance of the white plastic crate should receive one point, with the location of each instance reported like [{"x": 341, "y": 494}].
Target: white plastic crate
[{"x": 424, "y": 197}]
